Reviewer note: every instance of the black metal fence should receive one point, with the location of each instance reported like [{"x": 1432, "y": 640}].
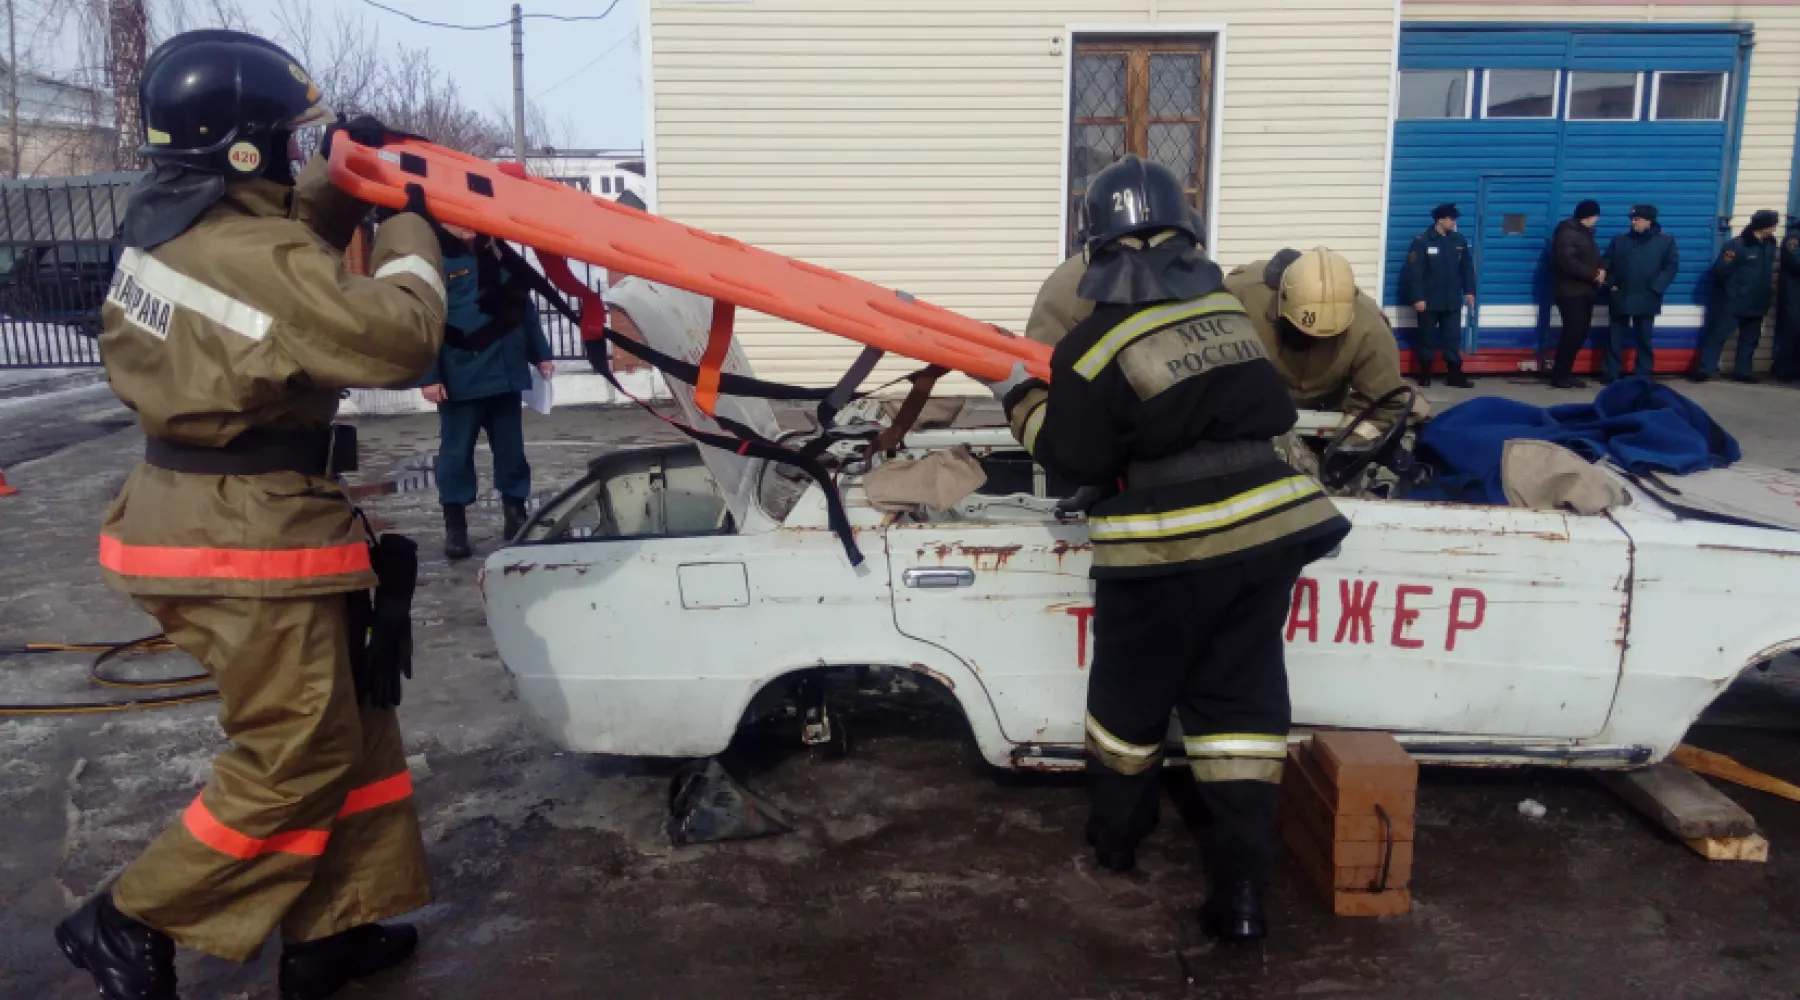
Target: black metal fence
[{"x": 59, "y": 244}]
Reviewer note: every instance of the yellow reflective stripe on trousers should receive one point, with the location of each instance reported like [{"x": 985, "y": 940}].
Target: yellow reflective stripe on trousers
[
  {"x": 1112, "y": 744},
  {"x": 1236, "y": 769},
  {"x": 1237, "y": 745},
  {"x": 1242, "y": 507},
  {"x": 1118, "y": 338}
]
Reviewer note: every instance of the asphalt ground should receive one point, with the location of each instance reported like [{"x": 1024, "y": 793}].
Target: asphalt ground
[{"x": 911, "y": 873}]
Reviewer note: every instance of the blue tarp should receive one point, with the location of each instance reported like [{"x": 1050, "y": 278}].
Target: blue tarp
[{"x": 1640, "y": 425}]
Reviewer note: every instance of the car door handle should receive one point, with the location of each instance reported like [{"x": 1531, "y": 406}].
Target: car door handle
[{"x": 939, "y": 579}]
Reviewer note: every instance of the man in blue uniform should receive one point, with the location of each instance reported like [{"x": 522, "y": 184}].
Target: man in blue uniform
[
  {"x": 1640, "y": 266},
  {"x": 492, "y": 339},
  {"x": 1439, "y": 280},
  {"x": 1743, "y": 291}
]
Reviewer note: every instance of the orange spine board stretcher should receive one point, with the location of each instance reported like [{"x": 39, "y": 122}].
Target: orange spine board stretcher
[{"x": 554, "y": 218}]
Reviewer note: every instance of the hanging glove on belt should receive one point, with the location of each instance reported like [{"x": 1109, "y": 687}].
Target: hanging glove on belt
[{"x": 381, "y": 625}]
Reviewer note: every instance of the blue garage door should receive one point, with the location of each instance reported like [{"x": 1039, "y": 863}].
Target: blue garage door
[{"x": 1516, "y": 124}]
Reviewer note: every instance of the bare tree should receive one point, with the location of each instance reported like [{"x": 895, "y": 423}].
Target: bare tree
[
  {"x": 172, "y": 17},
  {"x": 416, "y": 97}
]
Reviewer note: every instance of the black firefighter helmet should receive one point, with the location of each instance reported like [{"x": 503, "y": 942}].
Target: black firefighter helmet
[
  {"x": 1133, "y": 196},
  {"x": 225, "y": 102}
]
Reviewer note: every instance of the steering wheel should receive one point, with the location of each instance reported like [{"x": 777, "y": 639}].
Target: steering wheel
[{"x": 1340, "y": 466}]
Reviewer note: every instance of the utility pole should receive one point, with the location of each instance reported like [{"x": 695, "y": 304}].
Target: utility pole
[
  {"x": 12, "y": 86},
  {"x": 518, "y": 26}
]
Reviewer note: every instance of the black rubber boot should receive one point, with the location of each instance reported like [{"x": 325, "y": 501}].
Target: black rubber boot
[
  {"x": 318, "y": 969},
  {"x": 1457, "y": 379},
  {"x": 1569, "y": 382},
  {"x": 1424, "y": 377},
  {"x": 1234, "y": 912},
  {"x": 514, "y": 513},
  {"x": 1112, "y": 858},
  {"x": 128, "y": 960},
  {"x": 456, "y": 532}
]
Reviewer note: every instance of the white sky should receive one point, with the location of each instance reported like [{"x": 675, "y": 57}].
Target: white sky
[{"x": 601, "y": 104}]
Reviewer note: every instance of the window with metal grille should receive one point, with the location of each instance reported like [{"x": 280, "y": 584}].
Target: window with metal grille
[{"x": 1149, "y": 96}]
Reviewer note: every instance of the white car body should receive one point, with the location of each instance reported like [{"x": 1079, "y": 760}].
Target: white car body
[{"x": 1479, "y": 635}]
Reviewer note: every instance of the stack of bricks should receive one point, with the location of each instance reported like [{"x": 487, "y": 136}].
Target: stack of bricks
[{"x": 1330, "y": 794}]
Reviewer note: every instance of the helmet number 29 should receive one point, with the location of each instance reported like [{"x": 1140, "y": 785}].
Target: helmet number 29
[{"x": 1126, "y": 201}]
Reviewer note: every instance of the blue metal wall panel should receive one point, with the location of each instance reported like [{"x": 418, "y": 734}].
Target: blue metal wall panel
[{"x": 1541, "y": 169}]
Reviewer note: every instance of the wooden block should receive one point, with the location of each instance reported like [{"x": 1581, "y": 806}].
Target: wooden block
[
  {"x": 1315, "y": 860},
  {"x": 1681, "y": 801},
  {"x": 1301, "y": 804},
  {"x": 1752, "y": 848},
  {"x": 1372, "y": 904},
  {"x": 1350, "y": 801},
  {"x": 1361, "y": 759},
  {"x": 1311, "y": 808}
]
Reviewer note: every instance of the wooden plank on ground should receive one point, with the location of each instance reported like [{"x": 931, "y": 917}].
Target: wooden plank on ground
[
  {"x": 1717, "y": 765},
  {"x": 1752, "y": 848},
  {"x": 1681, "y": 802}
]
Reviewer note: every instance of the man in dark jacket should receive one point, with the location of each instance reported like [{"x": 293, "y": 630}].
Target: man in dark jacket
[
  {"x": 1640, "y": 266},
  {"x": 492, "y": 339},
  {"x": 1742, "y": 294},
  {"x": 1575, "y": 259},
  {"x": 1787, "y": 309},
  {"x": 1439, "y": 280},
  {"x": 1167, "y": 389}
]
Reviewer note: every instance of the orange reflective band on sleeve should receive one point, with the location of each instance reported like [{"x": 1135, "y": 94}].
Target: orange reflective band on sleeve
[
  {"x": 384, "y": 792},
  {"x": 191, "y": 562},
  {"x": 207, "y": 829}
]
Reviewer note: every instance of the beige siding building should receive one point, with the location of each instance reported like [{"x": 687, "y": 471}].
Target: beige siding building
[
  {"x": 926, "y": 144},
  {"x": 936, "y": 146}
]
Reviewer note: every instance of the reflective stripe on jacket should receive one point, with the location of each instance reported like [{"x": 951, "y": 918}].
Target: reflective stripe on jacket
[{"x": 250, "y": 320}]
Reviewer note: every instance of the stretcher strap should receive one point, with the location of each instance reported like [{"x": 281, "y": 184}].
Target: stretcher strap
[
  {"x": 739, "y": 439},
  {"x": 718, "y": 345},
  {"x": 923, "y": 382}
]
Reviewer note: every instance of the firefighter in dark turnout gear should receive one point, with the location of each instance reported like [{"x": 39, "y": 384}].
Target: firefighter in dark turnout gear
[
  {"x": 230, "y": 330},
  {"x": 1439, "y": 280},
  {"x": 1743, "y": 291},
  {"x": 1167, "y": 390},
  {"x": 1787, "y": 306}
]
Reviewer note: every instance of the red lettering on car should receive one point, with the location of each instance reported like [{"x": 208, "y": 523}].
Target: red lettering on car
[
  {"x": 1306, "y": 588},
  {"x": 1405, "y": 616},
  {"x": 1457, "y": 622},
  {"x": 1081, "y": 616},
  {"x": 1358, "y": 605}
]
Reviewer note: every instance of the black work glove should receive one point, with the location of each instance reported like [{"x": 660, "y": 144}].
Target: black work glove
[
  {"x": 389, "y": 658},
  {"x": 367, "y": 130},
  {"x": 415, "y": 205}
]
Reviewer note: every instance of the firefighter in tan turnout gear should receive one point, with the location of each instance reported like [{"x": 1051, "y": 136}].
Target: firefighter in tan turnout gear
[
  {"x": 1167, "y": 388},
  {"x": 231, "y": 327}
]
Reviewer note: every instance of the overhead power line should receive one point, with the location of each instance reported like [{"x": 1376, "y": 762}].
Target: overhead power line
[
  {"x": 497, "y": 24},
  {"x": 595, "y": 62}
]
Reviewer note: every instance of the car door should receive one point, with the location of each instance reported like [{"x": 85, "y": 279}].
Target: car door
[
  {"x": 1462, "y": 619},
  {"x": 1013, "y": 601}
]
